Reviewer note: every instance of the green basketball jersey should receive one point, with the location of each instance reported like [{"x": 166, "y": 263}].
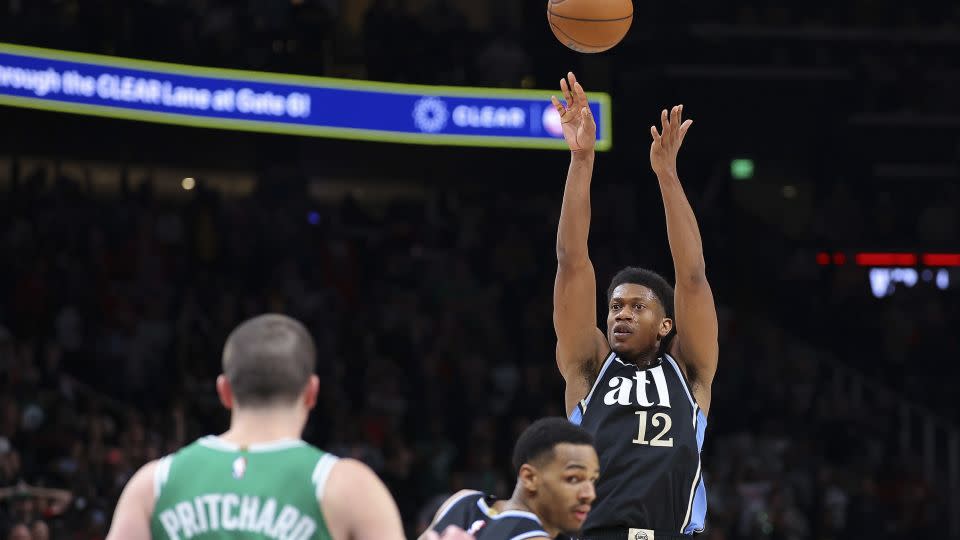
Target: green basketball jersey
[{"x": 212, "y": 489}]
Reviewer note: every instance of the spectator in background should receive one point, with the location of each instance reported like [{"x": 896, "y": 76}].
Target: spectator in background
[
  {"x": 19, "y": 532},
  {"x": 39, "y": 531}
]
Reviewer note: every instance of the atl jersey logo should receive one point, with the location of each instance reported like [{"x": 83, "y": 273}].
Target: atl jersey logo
[{"x": 625, "y": 391}]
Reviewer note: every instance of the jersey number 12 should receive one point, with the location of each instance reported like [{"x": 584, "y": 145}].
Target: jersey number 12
[{"x": 658, "y": 419}]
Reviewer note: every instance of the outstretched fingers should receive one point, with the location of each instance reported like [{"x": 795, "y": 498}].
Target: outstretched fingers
[
  {"x": 572, "y": 79},
  {"x": 684, "y": 127},
  {"x": 567, "y": 96},
  {"x": 674, "y": 127},
  {"x": 581, "y": 96},
  {"x": 557, "y": 105}
]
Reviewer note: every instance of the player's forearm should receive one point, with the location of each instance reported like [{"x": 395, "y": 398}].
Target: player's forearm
[
  {"x": 683, "y": 233},
  {"x": 574, "y": 228}
]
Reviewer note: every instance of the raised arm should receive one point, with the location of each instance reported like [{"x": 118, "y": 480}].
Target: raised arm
[
  {"x": 696, "y": 315},
  {"x": 579, "y": 341}
]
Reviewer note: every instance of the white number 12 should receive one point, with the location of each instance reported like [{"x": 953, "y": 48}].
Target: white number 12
[{"x": 658, "y": 418}]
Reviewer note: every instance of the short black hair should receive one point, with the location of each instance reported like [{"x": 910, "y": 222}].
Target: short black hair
[
  {"x": 538, "y": 441},
  {"x": 649, "y": 279},
  {"x": 268, "y": 360}
]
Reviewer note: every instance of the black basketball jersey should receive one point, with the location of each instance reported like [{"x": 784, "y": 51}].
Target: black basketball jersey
[
  {"x": 472, "y": 511},
  {"x": 648, "y": 432}
]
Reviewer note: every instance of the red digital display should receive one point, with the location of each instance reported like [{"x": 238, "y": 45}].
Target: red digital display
[
  {"x": 889, "y": 270},
  {"x": 886, "y": 259},
  {"x": 874, "y": 259},
  {"x": 941, "y": 259}
]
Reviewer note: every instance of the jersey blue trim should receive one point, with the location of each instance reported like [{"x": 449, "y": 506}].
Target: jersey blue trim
[
  {"x": 576, "y": 417},
  {"x": 698, "y": 516},
  {"x": 701, "y": 429}
]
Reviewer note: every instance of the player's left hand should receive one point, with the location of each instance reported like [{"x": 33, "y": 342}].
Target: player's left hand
[{"x": 666, "y": 144}]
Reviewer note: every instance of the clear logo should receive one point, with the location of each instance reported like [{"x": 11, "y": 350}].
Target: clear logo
[{"x": 430, "y": 114}]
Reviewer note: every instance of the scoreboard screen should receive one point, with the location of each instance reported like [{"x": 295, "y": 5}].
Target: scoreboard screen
[{"x": 886, "y": 271}]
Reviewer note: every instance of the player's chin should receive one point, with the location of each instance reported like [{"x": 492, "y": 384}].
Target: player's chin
[
  {"x": 618, "y": 346},
  {"x": 626, "y": 348},
  {"x": 572, "y": 529},
  {"x": 575, "y": 522}
]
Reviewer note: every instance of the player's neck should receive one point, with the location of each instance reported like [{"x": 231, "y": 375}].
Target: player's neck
[
  {"x": 255, "y": 426},
  {"x": 643, "y": 360},
  {"x": 519, "y": 502}
]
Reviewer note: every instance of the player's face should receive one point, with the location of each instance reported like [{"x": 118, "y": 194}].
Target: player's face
[
  {"x": 567, "y": 487},
  {"x": 635, "y": 320}
]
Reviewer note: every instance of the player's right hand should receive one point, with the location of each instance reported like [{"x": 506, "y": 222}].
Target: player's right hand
[{"x": 576, "y": 119}]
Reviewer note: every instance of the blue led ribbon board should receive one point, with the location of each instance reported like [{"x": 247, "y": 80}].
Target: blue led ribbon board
[{"x": 291, "y": 104}]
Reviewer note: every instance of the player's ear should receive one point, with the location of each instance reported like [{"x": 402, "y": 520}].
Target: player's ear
[
  {"x": 311, "y": 391},
  {"x": 225, "y": 392},
  {"x": 666, "y": 324},
  {"x": 529, "y": 477}
]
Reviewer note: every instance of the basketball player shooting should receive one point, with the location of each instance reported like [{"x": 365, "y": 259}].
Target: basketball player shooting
[{"x": 643, "y": 387}]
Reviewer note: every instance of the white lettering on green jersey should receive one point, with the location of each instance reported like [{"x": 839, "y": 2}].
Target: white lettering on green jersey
[{"x": 214, "y": 490}]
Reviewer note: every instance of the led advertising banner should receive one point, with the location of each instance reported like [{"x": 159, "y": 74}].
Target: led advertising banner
[{"x": 291, "y": 104}]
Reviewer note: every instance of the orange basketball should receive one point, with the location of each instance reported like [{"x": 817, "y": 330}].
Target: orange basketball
[{"x": 590, "y": 26}]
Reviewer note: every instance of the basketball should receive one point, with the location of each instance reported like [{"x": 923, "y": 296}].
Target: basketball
[{"x": 589, "y": 26}]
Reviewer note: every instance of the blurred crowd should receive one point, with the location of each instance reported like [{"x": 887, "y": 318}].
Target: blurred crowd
[{"x": 432, "y": 318}]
